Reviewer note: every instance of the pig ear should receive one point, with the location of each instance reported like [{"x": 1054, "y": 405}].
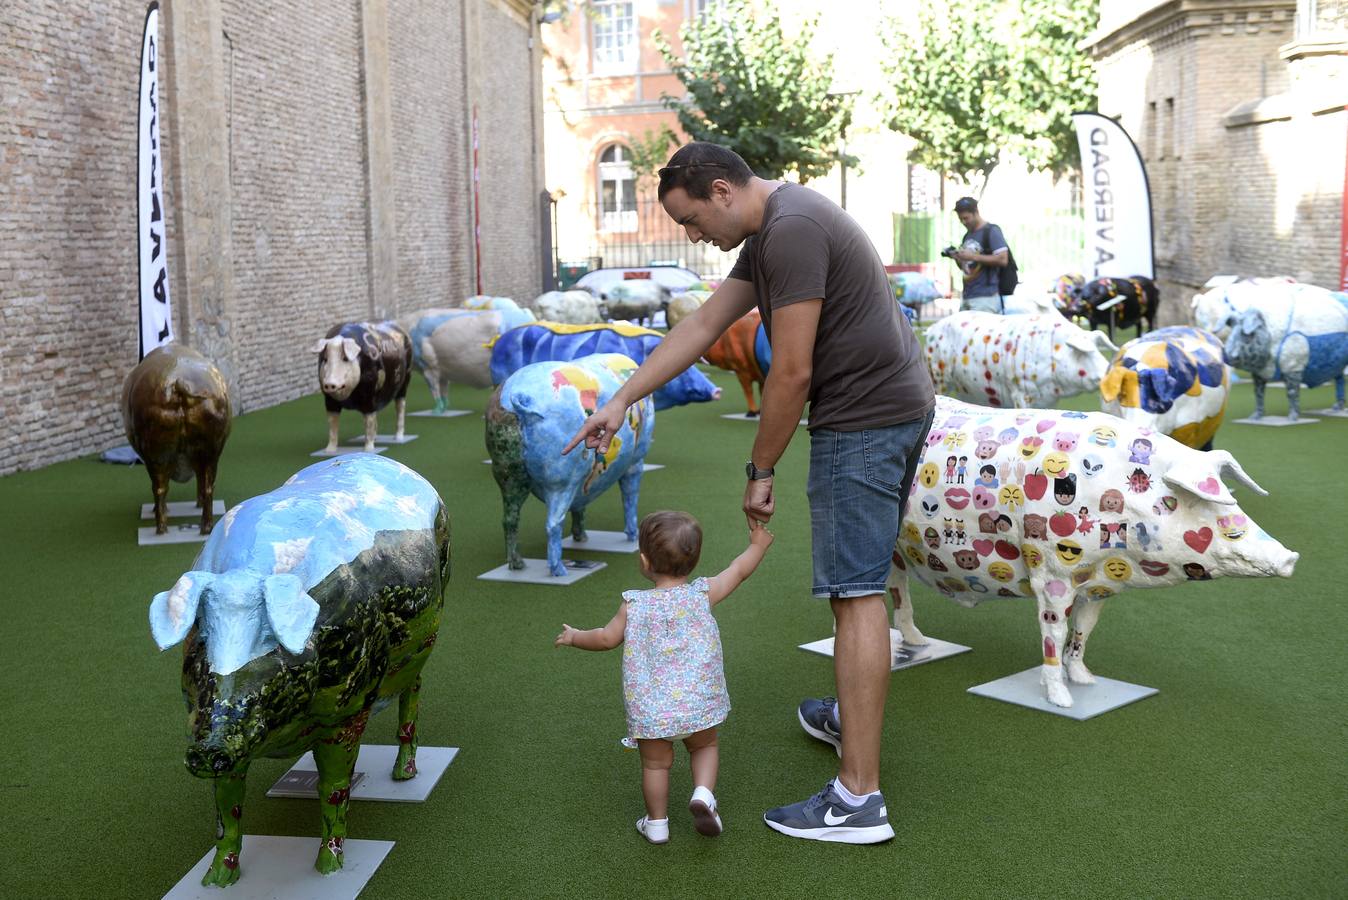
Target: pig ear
[
  {"x": 1201, "y": 478},
  {"x": 350, "y": 349},
  {"x": 318, "y": 346},
  {"x": 172, "y": 612},
  {"x": 1250, "y": 321},
  {"x": 290, "y": 610},
  {"x": 1227, "y": 465},
  {"x": 1104, "y": 343},
  {"x": 1079, "y": 339}
]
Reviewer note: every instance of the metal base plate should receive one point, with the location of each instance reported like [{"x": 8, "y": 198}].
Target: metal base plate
[
  {"x": 602, "y": 542},
  {"x": 181, "y": 509},
  {"x": 178, "y": 533},
  {"x": 535, "y": 571},
  {"x": 1331, "y": 412},
  {"x": 1088, "y": 700},
  {"x": 385, "y": 439},
  {"x": 1277, "y": 421},
  {"x": 447, "y": 414},
  {"x": 375, "y": 766},
  {"x": 283, "y": 867},
  {"x": 342, "y": 451},
  {"x": 905, "y": 656}
]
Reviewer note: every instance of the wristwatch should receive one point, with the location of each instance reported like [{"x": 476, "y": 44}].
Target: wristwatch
[{"x": 754, "y": 473}]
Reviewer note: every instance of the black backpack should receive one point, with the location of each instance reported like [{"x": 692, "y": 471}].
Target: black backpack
[{"x": 1007, "y": 275}]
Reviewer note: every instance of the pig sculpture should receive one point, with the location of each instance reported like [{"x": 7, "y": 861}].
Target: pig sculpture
[
  {"x": 744, "y": 349},
  {"x": 568, "y": 307},
  {"x": 176, "y": 412},
  {"x": 1028, "y": 360},
  {"x": 636, "y": 300},
  {"x": 1171, "y": 380},
  {"x": 684, "y": 305},
  {"x": 486, "y": 301},
  {"x": 530, "y": 419},
  {"x": 362, "y": 366},
  {"x": 542, "y": 341},
  {"x": 1280, "y": 330},
  {"x": 1122, "y": 302},
  {"x": 452, "y": 345},
  {"x": 309, "y": 609},
  {"x": 1069, "y": 508}
]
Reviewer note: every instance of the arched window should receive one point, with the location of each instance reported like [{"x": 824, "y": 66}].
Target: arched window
[{"x": 617, "y": 190}]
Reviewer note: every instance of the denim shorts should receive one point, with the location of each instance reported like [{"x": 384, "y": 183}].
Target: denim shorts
[{"x": 858, "y": 485}]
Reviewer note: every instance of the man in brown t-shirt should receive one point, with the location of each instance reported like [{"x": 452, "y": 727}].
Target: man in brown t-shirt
[{"x": 838, "y": 340}]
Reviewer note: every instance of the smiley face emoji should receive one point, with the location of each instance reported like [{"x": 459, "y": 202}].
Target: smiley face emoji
[
  {"x": 1117, "y": 568},
  {"x": 1011, "y": 495},
  {"x": 954, "y": 439},
  {"x": 1069, "y": 552},
  {"x": 1001, "y": 571},
  {"x": 1030, "y": 446},
  {"x": 1104, "y": 436},
  {"x": 1056, "y": 463},
  {"x": 1032, "y": 555},
  {"x": 1099, "y": 592},
  {"x": 915, "y": 556},
  {"x": 910, "y": 533},
  {"x": 928, "y": 475}
]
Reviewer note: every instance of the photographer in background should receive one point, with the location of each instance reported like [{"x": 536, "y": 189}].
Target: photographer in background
[{"x": 986, "y": 262}]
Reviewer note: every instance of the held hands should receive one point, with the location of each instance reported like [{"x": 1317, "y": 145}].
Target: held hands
[
  {"x": 759, "y": 502},
  {"x": 599, "y": 428},
  {"x": 567, "y": 638},
  {"x": 759, "y": 536}
]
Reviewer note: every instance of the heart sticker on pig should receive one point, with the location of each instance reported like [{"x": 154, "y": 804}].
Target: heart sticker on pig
[
  {"x": 983, "y": 547},
  {"x": 1199, "y": 539},
  {"x": 1045, "y": 425},
  {"x": 1211, "y": 486}
]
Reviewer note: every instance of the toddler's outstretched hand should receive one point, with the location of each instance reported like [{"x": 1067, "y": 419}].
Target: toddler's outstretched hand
[
  {"x": 566, "y": 638},
  {"x": 759, "y": 535}
]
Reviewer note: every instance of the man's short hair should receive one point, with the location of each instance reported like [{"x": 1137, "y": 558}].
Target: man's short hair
[
  {"x": 966, "y": 204},
  {"x": 695, "y": 166},
  {"x": 672, "y": 542}
]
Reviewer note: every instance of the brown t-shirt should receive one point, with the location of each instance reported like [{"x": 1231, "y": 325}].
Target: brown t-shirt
[{"x": 868, "y": 368}]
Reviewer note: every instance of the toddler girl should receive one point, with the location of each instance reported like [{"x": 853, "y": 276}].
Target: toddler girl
[{"x": 673, "y": 682}]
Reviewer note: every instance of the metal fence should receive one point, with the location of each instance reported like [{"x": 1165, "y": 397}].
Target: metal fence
[{"x": 586, "y": 237}]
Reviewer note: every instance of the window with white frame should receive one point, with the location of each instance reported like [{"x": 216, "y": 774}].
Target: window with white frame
[
  {"x": 615, "y": 36},
  {"x": 617, "y": 190}
]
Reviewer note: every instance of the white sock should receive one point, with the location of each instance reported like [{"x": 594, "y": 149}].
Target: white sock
[
  {"x": 650, "y": 821},
  {"x": 850, "y": 798}
]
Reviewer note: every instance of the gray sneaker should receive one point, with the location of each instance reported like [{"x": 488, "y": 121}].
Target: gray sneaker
[
  {"x": 819, "y": 718},
  {"x": 825, "y": 817}
]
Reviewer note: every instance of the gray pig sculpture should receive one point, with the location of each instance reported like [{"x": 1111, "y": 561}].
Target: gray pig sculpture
[{"x": 309, "y": 609}]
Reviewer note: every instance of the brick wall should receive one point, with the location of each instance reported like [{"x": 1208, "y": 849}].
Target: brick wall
[
  {"x": 298, "y": 188},
  {"x": 68, "y": 267}
]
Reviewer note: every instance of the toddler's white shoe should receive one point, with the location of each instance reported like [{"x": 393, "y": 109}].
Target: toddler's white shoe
[
  {"x": 703, "y": 807},
  {"x": 654, "y": 830}
]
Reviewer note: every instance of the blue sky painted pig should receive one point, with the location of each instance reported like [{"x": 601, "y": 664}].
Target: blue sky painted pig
[
  {"x": 363, "y": 366},
  {"x": 176, "y": 412},
  {"x": 308, "y": 609},
  {"x": 1014, "y": 361},
  {"x": 544, "y": 341},
  {"x": 1069, "y": 508},
  {"x": 531, "y": 417},
  {"x": 452, "y": 345},
  {"x": 1172, "y": 380}
]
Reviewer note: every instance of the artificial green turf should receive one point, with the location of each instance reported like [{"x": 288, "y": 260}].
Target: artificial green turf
[{"x": 1230, "y": 782}]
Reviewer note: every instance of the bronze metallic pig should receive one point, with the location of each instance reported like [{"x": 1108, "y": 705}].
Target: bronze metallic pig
[{"x": 175, "y": 407}]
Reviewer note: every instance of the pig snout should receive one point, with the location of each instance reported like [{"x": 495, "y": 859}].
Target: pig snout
[
  {"x": 208, "y": 762},
  {"x": 1288, "y": 563},
  {"x": 716, "y": 394}
]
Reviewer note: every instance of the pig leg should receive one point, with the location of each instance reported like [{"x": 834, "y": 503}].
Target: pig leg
[
  {"x": 336, "y": 761},
  {"x": 159, "y": 483},
  {"x": 401, "y": 406},
  {"x": 441, "y": 395},
  {"x": 206, "y": 495},
  {"x": 229, "y": 791},
  {"x": 409, "y": 701},
  {"x": 1258, "y": 398},
  {"x": 1293, "y": 382},
  {"x": 558, "y": 506},
  {"x": 332, "y": 432},
  {"x": 747, "y": 385},
  {"x": 1338, "y": 393},
  {"x": 1084, "y": 617},
  {"x": 371, "y": 429},
  {"x": 630, "y": 485},
  {"x": 903, "y": 611},
  {"x": 578, "y": 526},
  {"x": 1053, "y": 629}
]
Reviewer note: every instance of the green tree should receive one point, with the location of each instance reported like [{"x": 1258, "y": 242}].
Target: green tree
[
  {"x": 649, "y": 152},
  {"x": 752, "y": 89},
  {"x": 982, "y": 76}
]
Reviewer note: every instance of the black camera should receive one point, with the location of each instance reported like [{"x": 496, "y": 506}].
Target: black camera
[{"x": 949, "y": 252}]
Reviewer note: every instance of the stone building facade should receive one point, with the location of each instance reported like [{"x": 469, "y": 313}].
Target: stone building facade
[
  {"x": 1237, "y": 107},
  {"x": 319, "y": 168}
]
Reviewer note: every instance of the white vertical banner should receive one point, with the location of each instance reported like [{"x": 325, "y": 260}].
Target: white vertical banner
[
  {"x": 1117, "y": 200},
  {"x": 156, "y": 318}
]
